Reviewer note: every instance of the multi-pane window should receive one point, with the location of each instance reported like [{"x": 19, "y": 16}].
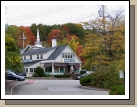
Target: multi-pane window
[
  {"x": 67, "y": 55},
  {"x": 31, "y": 69},
  {"x": 26, "y": 69},
  {"x": 24, "y": 57},
  {"x": 41, "y": 56},
  {"x": 37, "y": 56},
  {"x": 34, "y": 69},
  {"x": 30, "y": 56}
]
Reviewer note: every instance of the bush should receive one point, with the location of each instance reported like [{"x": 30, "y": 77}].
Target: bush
[
  {"x": 104, "y": 77},
  {"x": 62, "y": 76},
  {"x": 117, "y": 90},
  {"x": 40, "y": 72},
  {"x": 35, "y": 75},
  {"x": 85, "y": 81},
  {"x": 47, "y": 75}
]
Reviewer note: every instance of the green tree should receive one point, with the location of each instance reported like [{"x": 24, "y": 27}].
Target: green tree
[{"x": 12, "y": 55}]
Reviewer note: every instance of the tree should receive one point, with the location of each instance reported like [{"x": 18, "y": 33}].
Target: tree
[
  {"x": 12, "y": 55},
  {"x": 73, "y": 42},
  {"x": 55, "y": 34}
]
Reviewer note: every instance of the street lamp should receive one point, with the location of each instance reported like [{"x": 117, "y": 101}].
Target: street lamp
[{"x": 23, "y": 38}]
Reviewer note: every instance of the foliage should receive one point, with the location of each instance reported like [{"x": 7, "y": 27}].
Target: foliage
[
  {"x": 117, "y": 90},
  {"x": 62, "y": 76},
  {"x": 85, "y": 81},
  {"x": 35, "y": 75},
  {"x": 104, "y": 77},
  {"x": 55, "y": 34},
  {"x": 12, "y": 55},
  {"x": 40, "y": 72},
  {"x": 47, "y": 75}
]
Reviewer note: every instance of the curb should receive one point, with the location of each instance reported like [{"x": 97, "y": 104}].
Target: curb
[{"x": 94, "y": 88}]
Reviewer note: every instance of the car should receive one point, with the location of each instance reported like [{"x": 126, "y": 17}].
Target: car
[
  {"x": 12, "y": 76},
  {"x": 82, "y": 75}
]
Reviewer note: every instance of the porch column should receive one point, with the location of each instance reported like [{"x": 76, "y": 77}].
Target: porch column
[
  {"x": 80, "y": 68},
  {"x": 71, "y": 68},
  {"x": 52, "y": 68}
]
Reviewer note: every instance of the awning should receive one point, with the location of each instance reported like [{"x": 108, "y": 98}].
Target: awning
[
  {"x": 71, "y": 64},
  {"x": 47, "y": 65},
  {"x": 60, "y": 64}
]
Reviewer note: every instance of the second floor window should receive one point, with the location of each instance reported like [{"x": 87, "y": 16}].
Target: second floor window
[
  {"x": 41, "y": 56},
  {"x": 67, "y": 55},
  {"x": 37, "y": 56},
  {"x": 24, "y": 57},
  {"x": 30, "y": 56}
]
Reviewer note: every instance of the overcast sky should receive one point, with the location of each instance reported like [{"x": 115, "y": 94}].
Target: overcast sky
[{"x": 50, "y": 14}]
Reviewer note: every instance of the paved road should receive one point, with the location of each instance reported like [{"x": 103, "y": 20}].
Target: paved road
[{"x": 54, "y": 87}]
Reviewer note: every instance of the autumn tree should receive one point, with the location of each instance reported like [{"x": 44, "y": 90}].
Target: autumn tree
[
  {"x": 55, "y": 34},
  {"x": 110, "y": 45},
  {"x": 73, "y": 42}
]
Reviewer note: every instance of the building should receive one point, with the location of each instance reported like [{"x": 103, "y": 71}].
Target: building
[{"x": 54, "y": 60}]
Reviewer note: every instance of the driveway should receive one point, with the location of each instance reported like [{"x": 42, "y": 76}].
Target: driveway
[{"x": 54, "y": 87}]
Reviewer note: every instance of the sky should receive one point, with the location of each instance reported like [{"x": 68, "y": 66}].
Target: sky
[{"x": 49, "y": 14}]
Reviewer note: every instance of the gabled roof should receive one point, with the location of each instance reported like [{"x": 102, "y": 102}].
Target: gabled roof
[
  {"x": 56, "y": 53},
  {"x": 38, "y": 51}
]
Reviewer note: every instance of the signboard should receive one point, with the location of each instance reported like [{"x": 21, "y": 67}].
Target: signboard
[
  {"x": 28, "y": 60},
  {"x": 69, "y": 60}
]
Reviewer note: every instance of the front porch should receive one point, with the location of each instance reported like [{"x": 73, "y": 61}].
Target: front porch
[{"x": 61, "y": 68}]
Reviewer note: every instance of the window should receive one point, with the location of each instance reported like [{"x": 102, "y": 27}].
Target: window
[
  {"x": 67, "y": 55},
  {"x": 24, "y": 57},
  {"x": 34, "y": 69},
  {"x": 26, "y": 69},
  {"x": 30, "y": 56},
  {"x": 41, "y": 56},
  {"x": 31, "y": 69},
  {"x": 37, "y": 56}
]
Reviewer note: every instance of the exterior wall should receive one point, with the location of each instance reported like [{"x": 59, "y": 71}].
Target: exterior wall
[
  {"x": 29, "y": 74},
  {"x": 67, "y": 50}
]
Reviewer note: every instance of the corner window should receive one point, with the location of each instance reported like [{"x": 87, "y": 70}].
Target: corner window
[{"x": 26, "y": 69}]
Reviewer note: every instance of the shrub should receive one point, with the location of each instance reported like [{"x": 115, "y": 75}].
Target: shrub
[
  {"x": 103, "y": 77},
  {"x": 62, "y": 76},
  {"x": 40, "y": 72},
  {"x": 35, "y": 75},
  {"x": 117, "y": 90},
  {"x": 85, "y": 81},
  {"x": 47, "y": 75}
]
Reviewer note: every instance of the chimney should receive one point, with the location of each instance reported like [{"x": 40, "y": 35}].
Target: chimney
[{"x": 54, "y": 42}]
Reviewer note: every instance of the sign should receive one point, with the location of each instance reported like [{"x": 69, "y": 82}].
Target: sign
[
  {"x": 28, "y": 60},
  {"x": 69, "y": 60}
]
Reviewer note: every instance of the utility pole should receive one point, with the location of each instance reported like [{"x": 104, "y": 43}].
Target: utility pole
[
  {"x": 23, "y": 38},
  {"x": 103, "y": 19}
]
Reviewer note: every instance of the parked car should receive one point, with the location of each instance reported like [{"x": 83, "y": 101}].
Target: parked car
[
  {"x": 21, "y": 74},
  {"x": 12, "y": 76},
  {"x": 82, "y": 75}
]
